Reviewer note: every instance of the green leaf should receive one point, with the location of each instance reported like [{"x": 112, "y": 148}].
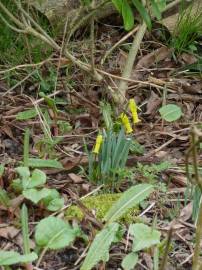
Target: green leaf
[
  {"x": 38, "y": 178},
  {"x": 99, "y": 249},
  {"x": 144, "y": 236},
  {"x": 54, "y": 233},
  {"x": 155, "y": 9},
  {"x": 143, "y": 12},
  {"x": 35, "y": 195},
  {"x": 28, "y": 114},
  {"x": 44, "y": 163},
  {"x": 130, "y": 261},
  {"x": 118, "y": 5},
  {"x": 23, "y": 172},
  {"x": 1, "y": 170},
  {"x": 55, "y": 204},
  {"x": 4, "y": 199},
  {"x": 129, "y": 199},
  {"x": 12, "y": 257},
  {"x": 170, "y": 112},
  {"x": 128, "y": 16}
]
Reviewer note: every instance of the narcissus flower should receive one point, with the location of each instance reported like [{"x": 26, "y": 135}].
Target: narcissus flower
[
  {"x": 133, "y": 109},
  {"x": 98, "y": 143},
  {"x": 126, "y": 123}
]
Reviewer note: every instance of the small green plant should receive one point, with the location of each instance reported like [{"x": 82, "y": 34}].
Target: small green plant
[
  {"x": 51, "y": 233},
  {"x": 12, "y": 257},
  {"x": 30, "y": 183},
  {"x": 144, "y": 237},
  {"x": 105, "y": 164},
  {"x": 187, "y": 30},
  {"x": 31, "y": 186},
  {"x": 150, "y": 172}
]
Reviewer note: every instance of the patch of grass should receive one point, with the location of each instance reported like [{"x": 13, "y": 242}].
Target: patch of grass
[
  {"x": 17, "y": 48},
  {"x": 188, "y": 30}
]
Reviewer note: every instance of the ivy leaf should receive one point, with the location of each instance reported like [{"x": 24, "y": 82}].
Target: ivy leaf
[
  {"x": 144, "y": 236},
  {"x": 99, "y": 249},
  {"x": 54, "y": 233},
  {"x": 129, "y": 199},
  {"x": 170, "y": 112},
  {"x": 129, "y": 261},
  {"x": 128, "y": 16},
  {"x": 12, "y": 257},
  {"x": 143, "y": 13},
  {"x": 35, "y": 195}
]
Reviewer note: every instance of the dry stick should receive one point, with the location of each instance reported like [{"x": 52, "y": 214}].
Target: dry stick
[
  {"x": 197, "y": 250},
  {"x": 165, "y": 255},
  {"x": 61, "y": 51},
  {"x": 118, "y": 43},
  {"x": 130, "y": 62}
]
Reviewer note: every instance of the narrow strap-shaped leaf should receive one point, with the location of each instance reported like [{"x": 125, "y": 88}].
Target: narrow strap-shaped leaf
[
  {"x": 143, "y": 12},
  {"x": 99, "y": 249},
  {"x": 118, "y": 4},
  {"x": 128, "y": 17},
  {"x": 129, "y": 199},
  {"x": 155, "y": 9}
]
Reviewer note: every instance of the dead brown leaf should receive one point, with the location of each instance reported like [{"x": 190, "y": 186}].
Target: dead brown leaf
[{"x": 75, "y": 178}]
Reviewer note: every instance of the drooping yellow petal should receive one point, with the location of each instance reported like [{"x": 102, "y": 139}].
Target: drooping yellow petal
[
  {"x": 133, "y": 109},
  {"x": 98, "y": 143},
  {"x": 126, "y": 123}
]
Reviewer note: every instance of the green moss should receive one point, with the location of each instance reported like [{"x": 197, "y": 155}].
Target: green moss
[{"x": 99, "y": 205}]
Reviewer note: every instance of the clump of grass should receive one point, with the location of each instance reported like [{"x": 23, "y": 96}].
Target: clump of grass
[{"x": 188, "y": 30}]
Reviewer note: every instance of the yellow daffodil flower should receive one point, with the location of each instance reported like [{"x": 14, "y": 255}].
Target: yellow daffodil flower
[
  {"x": 98, "y": 143},
  {"x": 133, "y": 109},
  {"x": 126, "y": 123}
]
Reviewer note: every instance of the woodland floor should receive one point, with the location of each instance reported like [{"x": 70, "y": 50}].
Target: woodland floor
[{"x": 152, "y": 84}]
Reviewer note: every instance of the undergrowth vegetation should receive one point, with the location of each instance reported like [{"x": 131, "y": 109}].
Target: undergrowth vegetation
[{"x": 100, "y": 135}]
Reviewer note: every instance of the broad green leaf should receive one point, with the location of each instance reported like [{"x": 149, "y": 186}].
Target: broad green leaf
[
  {"x": 44, "y": 163},
  {"x": 128, "y": 16},
  {"x": 35, "y": 195},
  {"x": 143, "y": 12},
  {"x": 54, "y": 233},
  {"x": 130, "y": 261},
  {"x": 23, "y": 172},
  {"x": 144, "y": 236},
  {"x": 12, "y": 257},
  {"x": 99, "y": 249},
  {"x": 129, "y": 199},
  {"x": 38, "y": 178},
  {"x": 55, "y": 204},
  {"x": 29, "y": 114},
  {"x": 155, "y": 9},
  {"x": 118, "y": 5},
  {"x": 53, "y": 194},
  {"x": 170, "y": 112}
]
